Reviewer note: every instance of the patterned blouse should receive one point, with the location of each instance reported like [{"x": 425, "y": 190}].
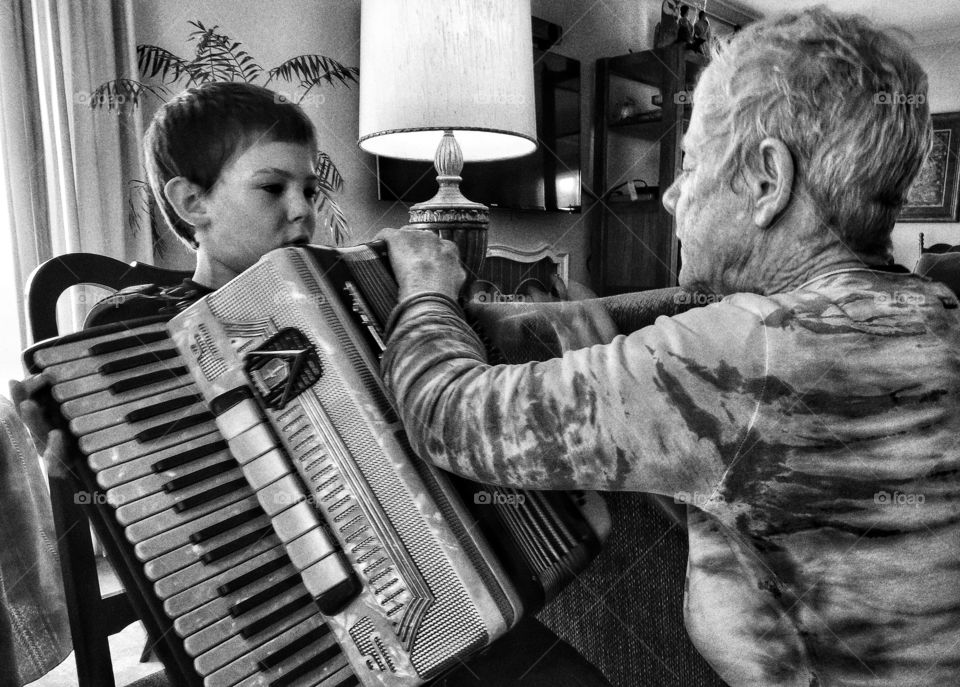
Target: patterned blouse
[{"x": 814, "y": 434}]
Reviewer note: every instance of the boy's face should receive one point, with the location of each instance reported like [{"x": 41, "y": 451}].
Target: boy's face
[{"x": 263, "y": 199}]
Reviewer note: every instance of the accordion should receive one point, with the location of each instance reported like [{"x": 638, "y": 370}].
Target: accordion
[{"x": 263, "y": 506}]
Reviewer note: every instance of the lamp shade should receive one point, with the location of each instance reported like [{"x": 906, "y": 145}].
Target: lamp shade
[{"x": 429, "y": 66}]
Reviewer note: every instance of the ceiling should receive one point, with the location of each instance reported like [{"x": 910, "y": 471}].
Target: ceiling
[{"x": 930, "y": 21}]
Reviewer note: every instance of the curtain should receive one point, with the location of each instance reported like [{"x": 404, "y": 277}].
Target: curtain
[
  {"x": 79, "y": 160},
  {"x": 64, "y": 170}
]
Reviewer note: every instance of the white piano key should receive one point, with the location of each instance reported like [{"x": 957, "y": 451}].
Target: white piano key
[
  {"x": 109, "y": 416},
  {"x": 220, "y": 643},
  {"x": 295, "y": 522},
  {"x": 176, "y": 537},
  {"x": 112, "y": 436},
  {"x": 311, "y": 547},
  {"x": 324, "y": 575},
  {"x": 268, "y": 468},
  {"x": 132, "y": 449},
  {"x": 239, "y": 418},
  {"x": 200, "y": 592},
  {"x": 193, "y": 571},
  {"x": 281, "y": 495},
  {"x": 160, "y": 508},
  {"x": 149, "y": 483},
  {"x": 137, "y": 468},
  {"x": 252, "y": 443}
]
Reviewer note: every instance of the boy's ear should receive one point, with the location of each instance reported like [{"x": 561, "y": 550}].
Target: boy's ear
[{"x": 187, "y": 199}]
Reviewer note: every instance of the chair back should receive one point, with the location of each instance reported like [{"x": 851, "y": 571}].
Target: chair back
[{"x": 93, "y": 617}]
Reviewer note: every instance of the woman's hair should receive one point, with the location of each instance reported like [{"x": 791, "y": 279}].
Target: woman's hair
[{"x": 847, "y": 99}]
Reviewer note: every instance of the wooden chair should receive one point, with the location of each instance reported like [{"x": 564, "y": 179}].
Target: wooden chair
[
  {"x": 940, "y": 262},
  {"x": 92, "y": 616}
]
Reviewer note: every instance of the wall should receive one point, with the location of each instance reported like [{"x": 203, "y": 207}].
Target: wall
[
  {"x": 941, "y": 60},
  {"x": 332, "y": 28}
]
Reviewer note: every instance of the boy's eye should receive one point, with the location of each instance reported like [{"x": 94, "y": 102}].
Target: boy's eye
[
  {"x": 273, "y": 188},
  {"x": 311, "y": 192}
]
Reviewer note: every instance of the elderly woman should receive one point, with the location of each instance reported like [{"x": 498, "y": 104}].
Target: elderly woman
[{"x": 810, "y": 416}]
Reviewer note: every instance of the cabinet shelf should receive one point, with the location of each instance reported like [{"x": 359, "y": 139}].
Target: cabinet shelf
[
  {"x": 647, "y": 67},
  {"x": 635, "y": 242}
]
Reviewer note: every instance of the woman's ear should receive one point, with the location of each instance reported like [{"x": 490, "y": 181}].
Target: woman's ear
[
  {"x": 771, "y": 181},
  {"x": 188, "y": 200}
]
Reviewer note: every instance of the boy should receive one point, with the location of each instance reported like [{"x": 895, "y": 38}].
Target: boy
[{"x": 231, "y": 167}]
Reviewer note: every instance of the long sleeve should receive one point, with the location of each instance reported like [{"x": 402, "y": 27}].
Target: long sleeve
[{"x": 663, "y": 410}]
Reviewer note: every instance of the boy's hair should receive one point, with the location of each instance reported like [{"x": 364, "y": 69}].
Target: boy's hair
[{"x": 199, "y": 131}]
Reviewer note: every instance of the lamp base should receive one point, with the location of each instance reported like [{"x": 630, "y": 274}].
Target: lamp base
[{"x": 449, "y": 214}]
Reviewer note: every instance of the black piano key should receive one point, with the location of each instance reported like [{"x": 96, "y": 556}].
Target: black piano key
[
  {"x": 173, "y": 426},
  {"x": 276, "y": 616},
  {"x": 225, "y": 525},
  {"x": 197, "y": 476},
  {"x": 188, "y": 456},
  {"x": 148, "y": 379},
  {"x": 209, "y": 495},
  {"x": 147, "y": 412},
  {"x": 313, "y": 662},
  {"x": 123, "y": 342},
  {"x": 139, "y": 360},
  {"x": 251, "y": 602},
  {"x": 248, "y": 578},
  {"x": 281, "y": 655},
  {"x": 237, "y": 544}
]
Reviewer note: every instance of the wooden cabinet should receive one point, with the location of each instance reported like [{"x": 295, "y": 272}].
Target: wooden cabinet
[{"x": 643, "y": 103}]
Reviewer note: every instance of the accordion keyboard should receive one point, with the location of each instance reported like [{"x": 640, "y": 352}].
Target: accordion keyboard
[{"x": 219, "y": 572}]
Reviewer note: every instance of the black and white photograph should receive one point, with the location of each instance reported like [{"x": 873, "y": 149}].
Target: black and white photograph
[{"x": 480, "y": 343}]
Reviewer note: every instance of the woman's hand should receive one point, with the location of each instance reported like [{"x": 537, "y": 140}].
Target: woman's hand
[{"x": 423, "y": 262}]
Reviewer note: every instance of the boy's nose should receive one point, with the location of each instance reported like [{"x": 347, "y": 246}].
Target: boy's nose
[{"x": 299, "y": 207}]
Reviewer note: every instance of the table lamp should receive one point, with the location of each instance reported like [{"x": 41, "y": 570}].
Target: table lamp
[{"x": 448, "y": 81}]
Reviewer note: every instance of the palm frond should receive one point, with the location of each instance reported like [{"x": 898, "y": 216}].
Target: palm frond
[
  {"x": 313, "y": 70},
  {"x": 333, "y": 219},
  {"x": 329, "y": 212},
  {"x": 114, "y": 95},
  {"x": 327, "y": 172},
  {"x": 152, "y": 60}
]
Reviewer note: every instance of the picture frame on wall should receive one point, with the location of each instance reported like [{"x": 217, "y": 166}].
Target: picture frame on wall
[{"x": 933, "y": 196}]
